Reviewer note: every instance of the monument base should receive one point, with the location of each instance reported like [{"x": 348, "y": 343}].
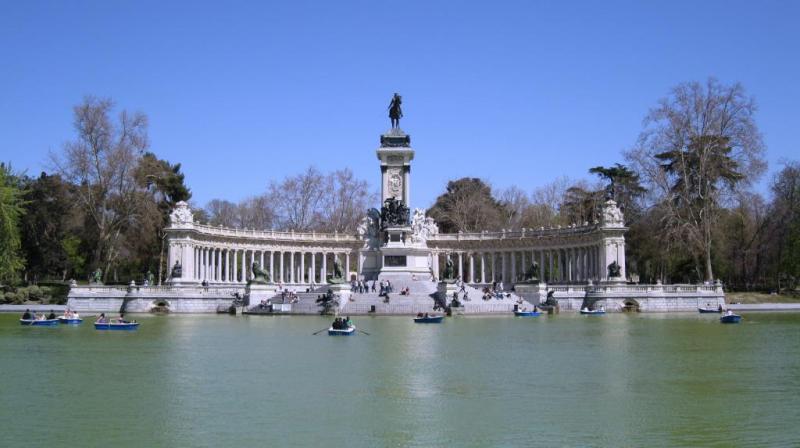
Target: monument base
[
  {"x": 445, "y": 290},
  {"x": 254, "y": 293},
  {"x": 534, "y": 293},
  {"x": 341, "y": 290},
  {"x": 615, "y": 280}
]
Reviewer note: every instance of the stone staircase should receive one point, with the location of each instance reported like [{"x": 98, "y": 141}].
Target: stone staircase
[{"x": 476, "y": 304}]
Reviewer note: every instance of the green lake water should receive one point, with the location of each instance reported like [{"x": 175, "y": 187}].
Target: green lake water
[{"x": 566, "y": 380}]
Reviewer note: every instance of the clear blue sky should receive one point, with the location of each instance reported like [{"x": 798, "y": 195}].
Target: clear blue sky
[{"x": 518, "y": 93}]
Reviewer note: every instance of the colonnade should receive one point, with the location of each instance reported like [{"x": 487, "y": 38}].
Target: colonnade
[
  {"x": 568, "y": 264},
  {"x": 232, "y": 265}
]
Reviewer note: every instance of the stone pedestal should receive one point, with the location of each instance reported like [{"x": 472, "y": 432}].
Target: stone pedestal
[
  {"x": 254, "y": 293},
  {"x": 341, "y": 290},
  {"x": 534, "y": 293},
  {"x": 445, "y": 290},
  {"x": 615, "y": 280}
]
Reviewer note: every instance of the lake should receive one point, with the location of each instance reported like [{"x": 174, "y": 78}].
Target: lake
[{"x": 564, "y": 380}]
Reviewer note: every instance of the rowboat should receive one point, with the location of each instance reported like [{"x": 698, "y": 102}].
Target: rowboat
[
  {"x": 709, "y": 310},
  {"x": 429, "y": 320},
  {"x": 70, "y": 320},
  {"x": 39, "y": 322},
  {"x": 593, "y": 312},
  {"x": 730, "y": 318},
  {"x": 116, "y": 325},
  {"x": 527, "y": 313},
  {"x": 350, "y": 331}
]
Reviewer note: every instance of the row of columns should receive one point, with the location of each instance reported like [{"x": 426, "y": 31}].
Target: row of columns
[
  {"x": 572, "y": 264},
  {"x": 222, "y": 265}
]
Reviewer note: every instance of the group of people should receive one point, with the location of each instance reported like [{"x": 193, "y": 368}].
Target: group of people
[
  {"x": 362, "y": 286},
  {"x": 342, "y": 324},
  {"x": 28, "y": 315},
  {"x": 493, "y": 293},
  {"x": 290, "y": 295},
  {"x": 105, "y": 320}
]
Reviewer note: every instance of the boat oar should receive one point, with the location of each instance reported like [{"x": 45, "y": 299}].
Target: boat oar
[
  {"x": 362, "y": 331},
  {"x": 318, "y": 332}
]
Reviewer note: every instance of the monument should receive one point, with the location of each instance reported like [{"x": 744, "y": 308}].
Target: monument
[
  {"x": 395, "y": 242},
  {"x": 260, "y": 287}
]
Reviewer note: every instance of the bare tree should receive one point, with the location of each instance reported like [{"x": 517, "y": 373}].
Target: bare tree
[
  {"x": 699, "y": 145},
  {"x": 297, "y": 199},
  {"x": 345, "y": 201},
  {"x": 101, "y": 163},
  {"x": 223, "y": 213}
]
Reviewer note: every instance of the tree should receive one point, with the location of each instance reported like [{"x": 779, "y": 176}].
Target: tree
[
  {"x": 345, "y": 202},
  {"x": 624, "y": 186},
  {"x": 297, "y": 200},
  {"x": 467, "y": 206},
  {"x": 101, "y": 163},
  {"x": 11, "y": 211},
  {"x": 581, "y": 204},
  {"x": 45, "y": 226},
  {"x": 785, "y": 226},
  {"x": 698, "y": 147}
]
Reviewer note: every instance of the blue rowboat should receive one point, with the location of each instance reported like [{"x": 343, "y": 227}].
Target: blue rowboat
[
  {"x": 39, "y": 322},
  {"x": 709, "y": 310},
  {"x": 429, "y": 320},
  {"x": 116, "y": 326},
  {"x": 527, "y": 313},
  {"x": 730, "y": 319},
  {"x": 593, "y": 312},
  {"x": 347, "y": 332},
  {"x": 70, "y": 320}
]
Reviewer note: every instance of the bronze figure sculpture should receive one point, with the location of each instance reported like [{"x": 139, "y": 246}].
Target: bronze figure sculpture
[{"x": 395, "y": 112}]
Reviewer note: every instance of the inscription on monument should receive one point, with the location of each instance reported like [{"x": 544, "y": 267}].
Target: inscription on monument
[{"x": 394, "y": 261}]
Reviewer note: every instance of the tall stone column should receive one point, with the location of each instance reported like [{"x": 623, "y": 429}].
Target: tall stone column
[
  {"x": 472, "y": 267},
  {"x": 313, "y": 267},
  {"x": 347, "y": 266},
  {"x": 261, "y": 257},
  {"x": 291, "y": 266},
  {"x": 242, "y": 263},
  {"x": 460, "y": 266},
  {"x": 280, "y": 265},
  {"x": 302, "y": 267},
  {"x": 483, "y": 267},
  {"x": 435, "y": 265},
  {"x": 324, "y": 273},
  {"x": 494, "y": 266},
  {"x": 513, "y": 278},
  {"x": 218, "y": 270}
]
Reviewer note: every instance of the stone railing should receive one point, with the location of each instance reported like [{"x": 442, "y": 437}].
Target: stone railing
[
  {"x": 515, "y": 234},
  {"x": 275, "y": 235}
]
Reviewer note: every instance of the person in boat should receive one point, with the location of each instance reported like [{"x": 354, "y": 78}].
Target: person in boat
[
  {"x": 419, "y": 314},
  {"x": 26, "y": 315},
  {"x": 40, "y": 316},
  {"x": 52, "y": 315},
  {"x": 102, "y": 319},
  {"x": 720, "y": 308},
  {"x": 121, "y": 319},
  {"x": 348, "y": 323},
  {"x": 426, "y": 315}
]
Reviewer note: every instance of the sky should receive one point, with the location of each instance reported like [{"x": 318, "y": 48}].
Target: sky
[{"x": 518, "y": 93}]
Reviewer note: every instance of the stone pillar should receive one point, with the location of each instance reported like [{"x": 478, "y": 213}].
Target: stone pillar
[
  {"x": 242, "y": 268},
  {"x": 347, "y": 266},
  {"x": 261, "y": 258},
  {"x": 302, "y": 267},
  {"x": 271, "y": 266},
  {"x": 472, "y": 267},
  {"x": 218, "y": 272},
  {"x": 503, "y": 275},
  {"x": 282, "y": 254},
  {"x": 234, "y": 266},
  {"x": 483, "y": 267},
  {"x": 291, "y": 266},
  {"x": 461, "y": 266},
  {"x": 513, "y": 278},
  {"x": 313, "y": 267},
  {"x": 494, "y": 266},
  {"x": 324, "y": 275},
  {"x": 435, "y": 265}
]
